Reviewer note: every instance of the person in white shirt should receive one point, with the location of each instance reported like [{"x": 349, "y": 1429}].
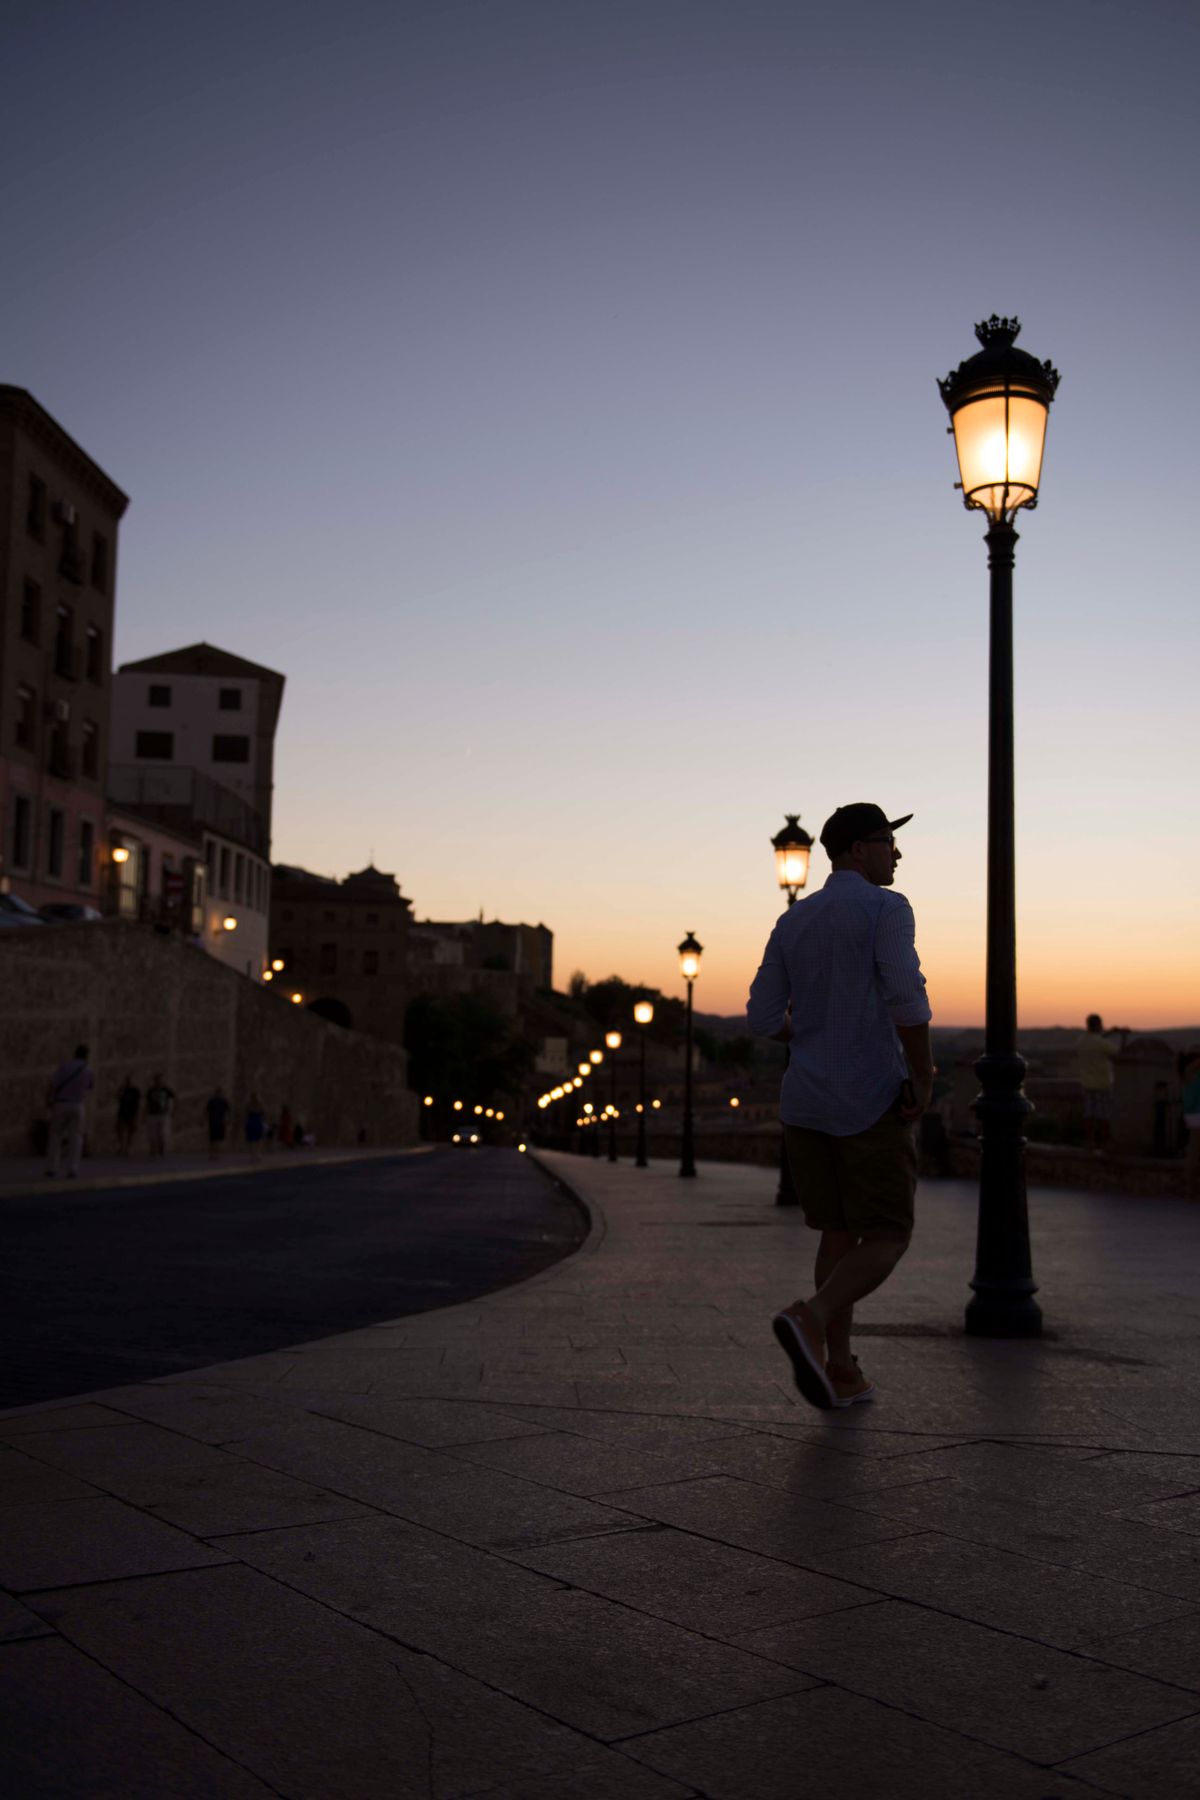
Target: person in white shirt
[
  {"x": 66, "y": 1096},
  {"x": 841, "y": 984}
]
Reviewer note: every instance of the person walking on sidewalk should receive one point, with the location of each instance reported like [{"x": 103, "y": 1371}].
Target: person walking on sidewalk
[
  {"x": 841, "y": 983},
  {"x": 216, "y": 1114},
  {"x": 256, "y": 1126},
  {"x": 1097, "y": 1053},
  {"x": 160, "y": 1102},
  {"x": 66, "y": 1096},
  {"x": 129, "y": 1100}
]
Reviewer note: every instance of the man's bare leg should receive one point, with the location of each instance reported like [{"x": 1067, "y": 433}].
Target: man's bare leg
[
  {"x": 854, "y": 1275},
  {"x": 830, "y": 1251}
]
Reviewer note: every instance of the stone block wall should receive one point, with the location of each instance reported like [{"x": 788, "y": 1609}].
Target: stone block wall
[{"x": 147, "y": 1005}]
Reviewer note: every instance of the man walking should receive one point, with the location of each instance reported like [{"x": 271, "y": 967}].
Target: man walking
[
  {"x": 66, "y": 1096},
  {"x": 160, "y": 1103},
  {"x": 840, "y": 982}
]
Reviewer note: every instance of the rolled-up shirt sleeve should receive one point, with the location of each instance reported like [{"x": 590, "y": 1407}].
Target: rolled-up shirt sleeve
[
  {"x": 770, "y": 991},
  {"x": 900, "y": 979}
]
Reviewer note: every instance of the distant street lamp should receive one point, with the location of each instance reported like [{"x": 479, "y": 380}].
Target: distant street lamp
[
  {"x": 999, "y": 401},
  {"x": 643, "y": 1015},
  {"x": 612, "y": 1041},
  {"x": 689, "y": 967},
  {"x": 793, "y": 849}
]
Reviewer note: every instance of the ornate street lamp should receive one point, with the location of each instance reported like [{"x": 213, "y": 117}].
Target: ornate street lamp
[
  {"x": 612, "y": 1043},
  {"x": 643, "y": 1015},
  {"x": 999, "y": 401},
  {"x": 792, "y": 847},
  {"x": 689, "y": 967}
]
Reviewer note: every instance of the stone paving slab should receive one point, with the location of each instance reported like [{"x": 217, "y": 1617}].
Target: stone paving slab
[
  {"x": 581, "y": 1540},
  {"x": 315, "y": 1705},
  {"x": 45, "y": 1546},
  {"x": 1003, "y": 1690},
  {"x": 72, "y": 1729},
  {"x": 828, "y": 1741},
  {"x": 607, "y": 1669}
]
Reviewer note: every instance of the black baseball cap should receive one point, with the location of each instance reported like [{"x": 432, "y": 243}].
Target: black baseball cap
[{"x": 850, "y": 823}]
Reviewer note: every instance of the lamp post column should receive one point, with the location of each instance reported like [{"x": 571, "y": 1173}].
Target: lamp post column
[
  {"x": 687, "y": 1159},
  {"x": 642, "y": 1161},
  {"x": 612, "y": 1041},
  {"x": 1003, "y": 1305}
]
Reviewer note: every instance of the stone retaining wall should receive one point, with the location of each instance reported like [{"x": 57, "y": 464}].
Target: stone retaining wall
[{"x": 146, "y": 1004}]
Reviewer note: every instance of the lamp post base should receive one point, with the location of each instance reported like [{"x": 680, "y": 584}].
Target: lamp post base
[{"x": 1003, "y": 1309}]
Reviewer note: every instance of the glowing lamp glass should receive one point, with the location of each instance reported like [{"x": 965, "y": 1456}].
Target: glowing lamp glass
[
  {"x": 643, "y": 1012},
  {"x": 229, "y": 923},
  {"x": 596, "y": 1056},
  {"x": 120, "y": 854},
  {"x": 1000, "y": 436},
  {"x": 277, "y": 964},
  {"x": 689, "y": 957},
  {"x": 791, "y": 865},
  {"x": 613, "y": 1040}
]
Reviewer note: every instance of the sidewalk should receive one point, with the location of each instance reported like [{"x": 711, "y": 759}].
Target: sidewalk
[
  {"x": 27, "y": 1174},
  {"x": 581, "y": 1540}
]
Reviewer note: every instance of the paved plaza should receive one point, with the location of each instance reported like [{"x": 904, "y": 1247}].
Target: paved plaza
[{"x": 580, "y": 1540}]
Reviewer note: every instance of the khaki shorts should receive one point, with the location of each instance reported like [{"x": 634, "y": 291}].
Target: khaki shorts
[{"x": 860, "y": 1183}]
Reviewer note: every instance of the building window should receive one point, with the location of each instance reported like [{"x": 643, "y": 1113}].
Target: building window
[
  {"x": 35, "y": 518},
  {"x": 31, "y": 613},
  {"x": 158, "y": 694},
  {"x": 70, "y": 562},
  {"x": 22, "y": 831},
  {"x": 89, "y": 761},
  {"x": 55, "y": 842},
  {"x": 87, "y": 852},
  {"x": 327, "y": 965},
  {"x": 210, "y": 861},
  {"x": 154, "y": 746},
  {"x": 230, "y": 699},
  {"x": 100, "y": 562},
  {"x": 64, "y": 643},
  {"x": 95, "y": 654},
  {"x": 26, "y": 728},
  {"x": 224, "y": 871},
  {"x": 230, "y": 749},
  {"x": 370, "y": 962},
  {"x": 239, "y": 876}
]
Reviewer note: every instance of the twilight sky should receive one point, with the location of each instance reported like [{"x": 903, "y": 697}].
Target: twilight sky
[{"x": 547, "y": 389}]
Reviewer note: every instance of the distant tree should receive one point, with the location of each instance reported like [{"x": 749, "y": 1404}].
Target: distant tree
[
  {"x": 577, "y": 987},
  {"x": 463, "y": 1048}
]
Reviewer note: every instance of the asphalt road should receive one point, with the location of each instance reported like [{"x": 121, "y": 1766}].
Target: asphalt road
[{"x": 102, "y": 1287}]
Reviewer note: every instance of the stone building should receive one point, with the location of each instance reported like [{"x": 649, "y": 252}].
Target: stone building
[
  {"x": 343, "y": 946},
  {"x": 59, "y": 516},
  {"x": 193, "y": 746},
  {"x": 146, "y": 1004}
]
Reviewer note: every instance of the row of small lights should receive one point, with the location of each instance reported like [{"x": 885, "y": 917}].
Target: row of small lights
[{"x": 481, "y": 1112}]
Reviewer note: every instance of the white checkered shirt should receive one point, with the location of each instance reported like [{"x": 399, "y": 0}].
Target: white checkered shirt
[{"x": 846, "y": 961}]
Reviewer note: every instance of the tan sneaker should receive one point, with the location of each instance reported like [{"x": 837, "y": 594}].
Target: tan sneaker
[{"x": 850, "y": 1384}]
